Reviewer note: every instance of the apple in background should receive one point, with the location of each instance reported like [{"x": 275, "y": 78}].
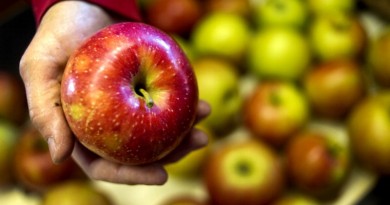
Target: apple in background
[
  {"x": 186, "y": 46},
  {"x": 334, "y": 87},
  {"x": 190, "y": 166},
  {"x": 8, "y": 137},
  {"x": 243, "y": 172},
  {"x": 32, "y": 164},
  {"x": 176, "y": 17},
  {"x": 275, "y": 111},
  {"x": 241, "y": 7},
  {"x": 218, "y": 82},
  {"x": 184, "y": 200},
  {"x": 336, "y": 35},
  {"x": 13, "y": 102},
  {"x": 129, "y": 93},
  {"x": 221, "y": 34},
  {"x": 76, "y": 192},
  {"x": 378, "y": 59},
  {"x": 280, "y": 13},
  {"x": 369, "y": 131},
  {"x": 278, "y": 52},
  {"x": 331, "y": 6},
  {"x": 295, "y": 198},
  {"x": 317, "y": 162}
]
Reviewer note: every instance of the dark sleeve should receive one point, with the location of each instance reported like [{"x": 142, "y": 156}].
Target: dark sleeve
[{"x": 125, "y": 8}]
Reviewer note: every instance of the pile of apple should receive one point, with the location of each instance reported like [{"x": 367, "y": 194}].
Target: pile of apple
[
  {"x": 27, "y": 173},
  {"x": 284, "y": 78}
]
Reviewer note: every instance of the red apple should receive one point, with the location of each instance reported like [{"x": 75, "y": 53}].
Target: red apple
[
  {"x": 241, "y": 7},
  {"x": 369, "y": 131},
  {"x": 176, "y": 17},
  {"x": 129, "y": 93},
  {"x": 275, "y": 111},
  {"x": 379, "y": 55},
  {"x": 334, "y": 87},
  {"x": 243, "y": 172},
  {"x": 76, "y": 192},
  {"x": 33, "y": 165},
  {"x": 13, "y": 102},
  {"x": 317, "y": 162}
]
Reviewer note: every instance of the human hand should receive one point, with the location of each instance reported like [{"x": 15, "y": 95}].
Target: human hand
[{"x": 62, "y": 29}]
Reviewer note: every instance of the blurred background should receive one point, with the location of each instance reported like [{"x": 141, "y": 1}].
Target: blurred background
[{"x": 251, "y": 45}]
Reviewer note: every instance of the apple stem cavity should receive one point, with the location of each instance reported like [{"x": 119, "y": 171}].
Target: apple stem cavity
[{"x": 148, "y": 98}]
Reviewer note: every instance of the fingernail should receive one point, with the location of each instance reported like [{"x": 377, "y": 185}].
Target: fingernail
[{"x": 52, "y": 149}]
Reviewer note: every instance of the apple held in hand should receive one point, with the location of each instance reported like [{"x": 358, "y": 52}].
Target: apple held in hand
[
  {"x": 369, "y": 131},
  {"x": 243, "y": 172},
  {"x": 275, "y": 111},
  {"x": 129, "y": 94}
]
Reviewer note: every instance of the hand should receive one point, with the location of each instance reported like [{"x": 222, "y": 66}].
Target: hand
[{"x": 62, "y": 29}]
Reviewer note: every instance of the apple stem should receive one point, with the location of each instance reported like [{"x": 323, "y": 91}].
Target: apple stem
[{"x": 148, "y": 98}]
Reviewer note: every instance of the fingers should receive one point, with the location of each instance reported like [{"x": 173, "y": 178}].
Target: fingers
[
  {"x": 42, "y": 84},
  {"x": 197, "y": 139},
  {"x": 203, "y": 110},
  {"x": 99, "y": 169}
]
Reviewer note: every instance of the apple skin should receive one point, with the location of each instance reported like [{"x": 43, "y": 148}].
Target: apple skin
[
  {"x": 278, "y": 53},
  {"x": 316, "y": 164},
  {"x": 8, "y": 137},
  {"x": 33, "y": 166},
  {"x": 241, "y": 7},
  {"x": 103, "y": 99},
  {"x": 337, "y": 35},
  {"x": 13, "y": 102},
  {"x": 275, "y": 111},
  {"x": 177, "y": 17},
  {"x": 295, "y": 198},
  {"x": 184, "y": 200},
  {"x": 243, "y": 172},
  {"x": 378, "y": 59},
  {"x": 281, "y": 13},
  {"x": 319, "y": 7},
  {"x": 336, "y": 79},
  {"x": 221, "y": 34},
  {"x": 369, "y": 131},
  {"x": 222, "y": 95},
  {"x": 72, "y": 191}
]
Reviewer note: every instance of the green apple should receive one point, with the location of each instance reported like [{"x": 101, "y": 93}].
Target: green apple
[
  {"x": 191, "y": 165},
  {"x": 218, "y": 83},
  {"x": 75, "y": 192},
  {"x": 281, "y": 13},
  {"x": 277, "y": 52},
  {"x": 336, "y": 36},
  {"x": 331, "y": 6},
  {"x": 243, "y": 172},
  {"x": 379, "y": 55},
  {"x": 186, "y": 46},
  {"x": 8, "y": 139},
  {"x": 221, "y": 34},
  {"x": 369, "y": 131},
  {"x": 275, "y": 111},
  {"x": 296, "y": 198}
]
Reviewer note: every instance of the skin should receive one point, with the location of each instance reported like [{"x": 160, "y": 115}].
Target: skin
[{"x": 62, "y": 29}]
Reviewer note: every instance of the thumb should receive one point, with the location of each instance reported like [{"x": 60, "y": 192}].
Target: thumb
[{"x": 42, "y": 83}]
